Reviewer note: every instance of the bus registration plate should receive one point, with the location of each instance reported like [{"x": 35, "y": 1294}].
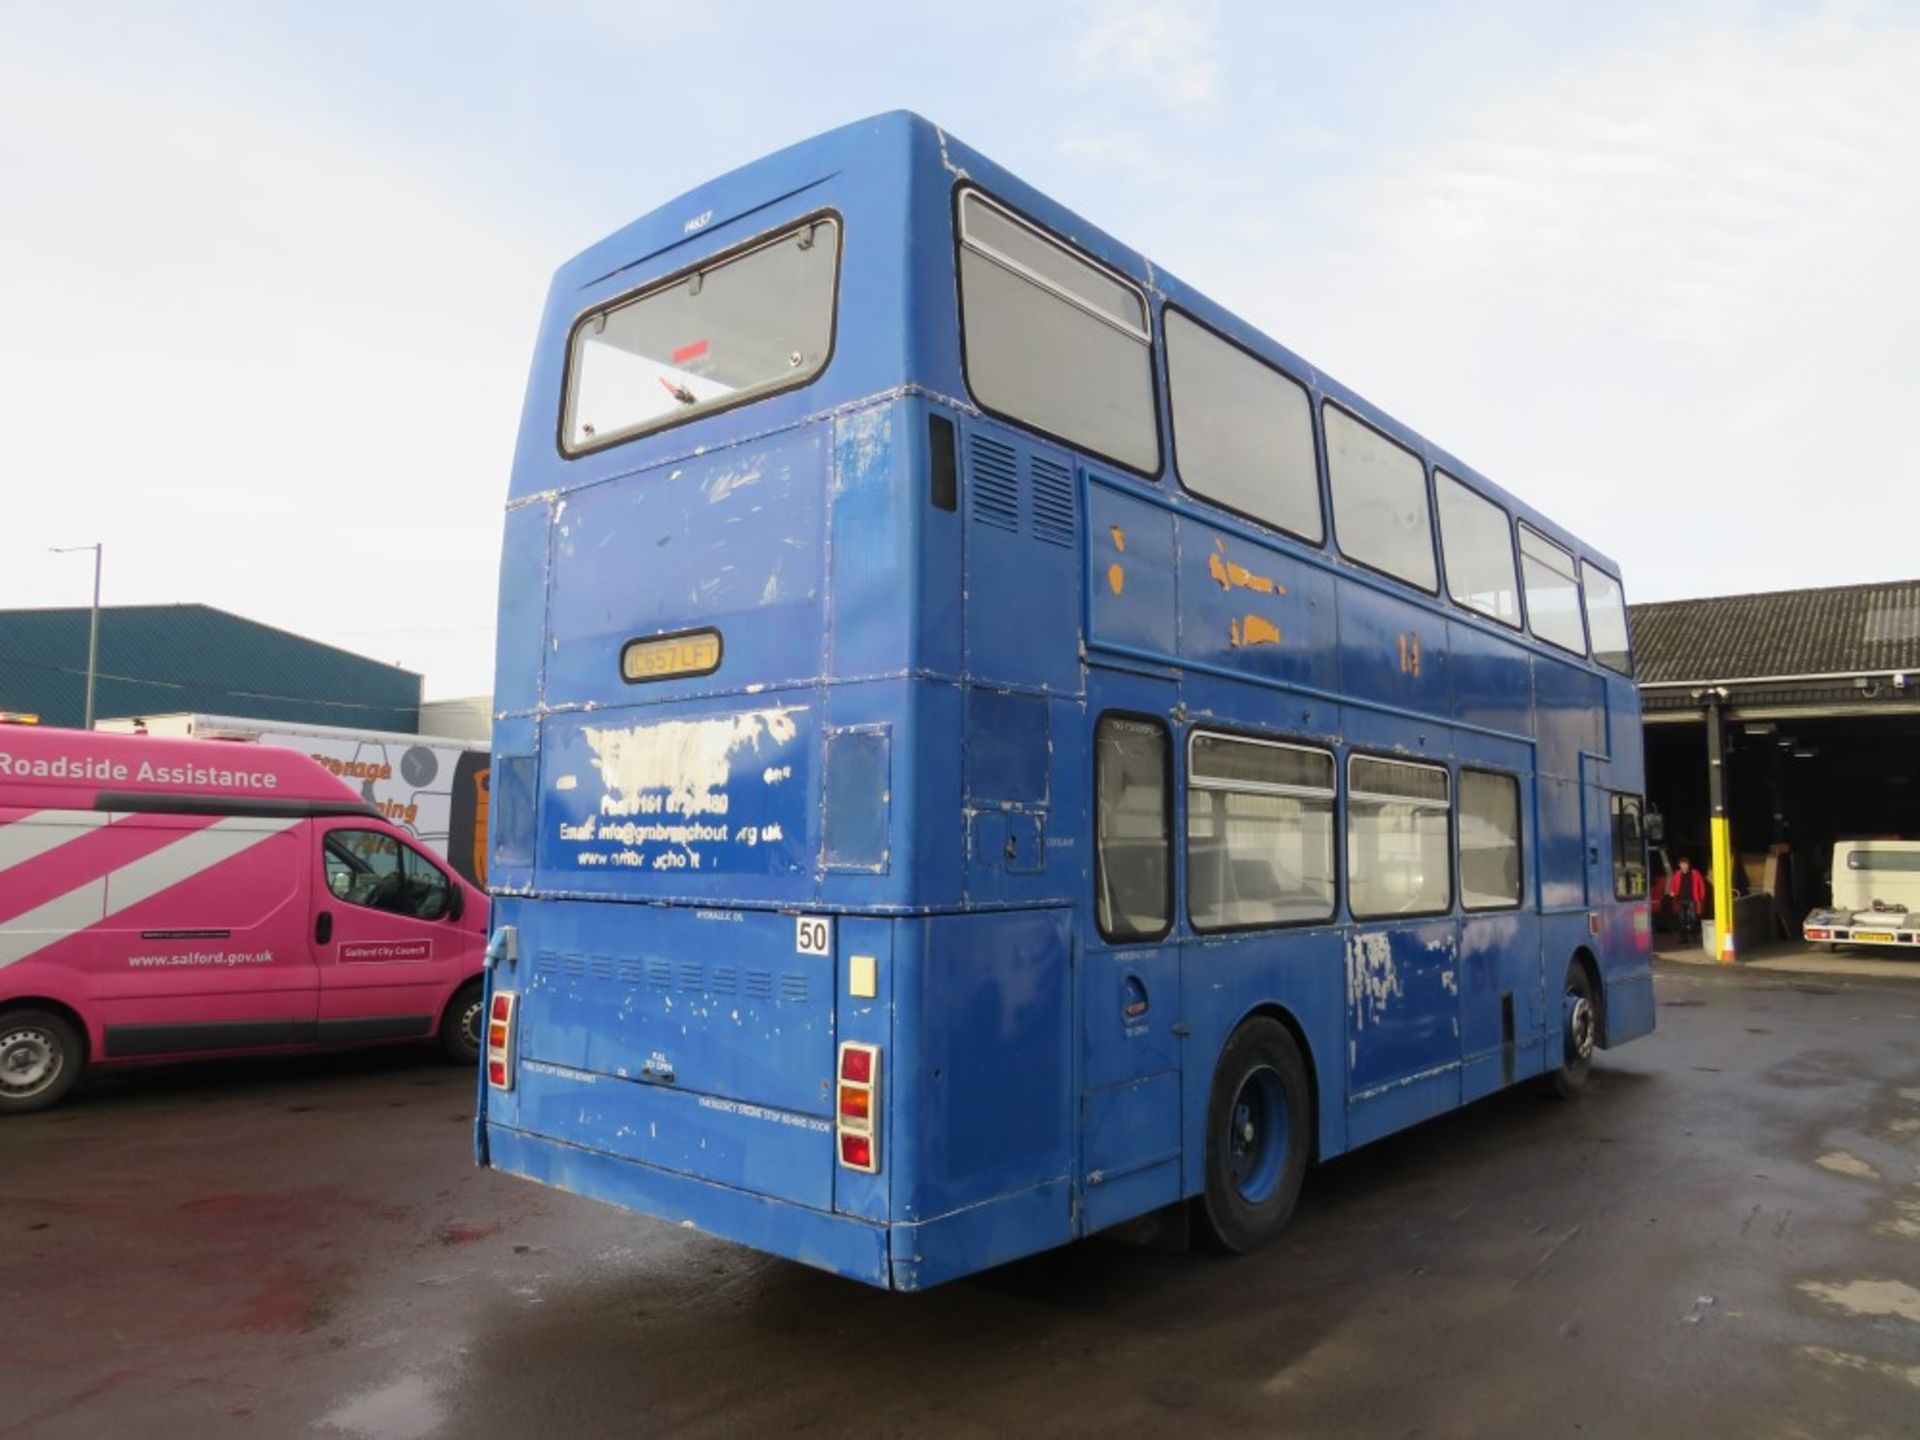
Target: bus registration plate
[
  {"x": 691, "y": 652},
  {"x": 1883, "y": 937}
]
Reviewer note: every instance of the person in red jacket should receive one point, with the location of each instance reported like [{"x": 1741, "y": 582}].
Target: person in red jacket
[{"x": 1686, "y": 892}]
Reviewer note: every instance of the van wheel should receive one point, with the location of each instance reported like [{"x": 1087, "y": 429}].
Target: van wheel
[
  {"x": 40, "y": 1058},
  {"x": 1579, "y": 1033},
  {"x": 1259, "y": 1133},
  {"x": 460, "y": 1026}
]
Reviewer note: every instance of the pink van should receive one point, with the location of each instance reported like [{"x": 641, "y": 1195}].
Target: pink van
[{"x": 173, "y": 899}]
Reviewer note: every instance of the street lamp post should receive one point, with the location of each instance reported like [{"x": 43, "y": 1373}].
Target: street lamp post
[{"x": 93, "y": 621}]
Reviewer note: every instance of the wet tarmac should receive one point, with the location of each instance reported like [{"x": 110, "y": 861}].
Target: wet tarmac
[{"x": 1722, "y": 1238}]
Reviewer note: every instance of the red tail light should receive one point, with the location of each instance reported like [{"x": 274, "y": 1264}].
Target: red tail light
[
  {"x": 500, "y": 1039},
  {"x": 857, "y": 1112}
]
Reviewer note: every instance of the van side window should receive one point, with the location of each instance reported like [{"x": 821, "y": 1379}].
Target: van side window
[{"x": 373, "y": 869}]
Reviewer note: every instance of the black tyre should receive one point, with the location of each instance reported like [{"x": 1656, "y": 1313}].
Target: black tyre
[
  {"x": 1259, "y": 1136},
  {"x": 461, "y": 1026},
  {"x": 40, "y": 1058},
  {"x": 1579, "y": 1034}
]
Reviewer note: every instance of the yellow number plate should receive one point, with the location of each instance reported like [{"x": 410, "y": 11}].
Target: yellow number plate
[
  {"x": 1885, "y": 937},
  {"x": 695, "y": 652}
]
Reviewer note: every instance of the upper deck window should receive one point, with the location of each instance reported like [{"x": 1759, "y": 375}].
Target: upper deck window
[
  {"x": 738, "y": 328},
  {"x": 1477, "y": 540},
  {"x": 1607, "y": 619},
  {"x": 1379, "y": 501},
  {"x": 1553, "y": 591},
  {"x": 1242, "y": 431},
  {"x": 1053, "y": 340}
]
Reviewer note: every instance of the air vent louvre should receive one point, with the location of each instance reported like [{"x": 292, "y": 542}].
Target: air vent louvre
[
  {"x": 1053, "y": 518},
  {"x": 994, "y": 483}
]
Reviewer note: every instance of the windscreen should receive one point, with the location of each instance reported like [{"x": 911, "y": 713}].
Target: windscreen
[{"x": 744, "y": 326}]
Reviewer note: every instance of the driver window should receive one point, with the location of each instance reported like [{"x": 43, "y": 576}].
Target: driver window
[{"x": 373, "y": 869}]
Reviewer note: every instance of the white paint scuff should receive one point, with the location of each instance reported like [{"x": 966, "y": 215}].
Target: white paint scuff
[
  {"x": 680, "y": 767},
  {"x": 1372, "y": 979}
]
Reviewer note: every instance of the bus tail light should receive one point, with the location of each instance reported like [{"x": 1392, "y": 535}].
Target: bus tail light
[
  {"x": 500, "y": 1039},
  {"x": 857, "y": 1111}
]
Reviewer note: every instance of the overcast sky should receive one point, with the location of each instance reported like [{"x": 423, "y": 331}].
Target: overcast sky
[{"x": 269, "y": 274}]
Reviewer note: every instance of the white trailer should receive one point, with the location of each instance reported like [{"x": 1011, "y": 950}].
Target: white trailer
[
  {"x": 1876, "y": 896},
  {"x": 433, "y": 786}
]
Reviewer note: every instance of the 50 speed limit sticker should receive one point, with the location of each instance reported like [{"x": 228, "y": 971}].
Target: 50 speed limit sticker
[{"x": 813, "y": 934}]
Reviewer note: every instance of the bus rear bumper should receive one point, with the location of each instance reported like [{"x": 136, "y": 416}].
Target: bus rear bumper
[{"x": 856, "y": 1249}]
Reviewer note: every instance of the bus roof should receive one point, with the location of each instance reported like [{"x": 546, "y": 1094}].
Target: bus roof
[
  {"x": 881, "y": 149},
  {"x": 43, "y": 768}
]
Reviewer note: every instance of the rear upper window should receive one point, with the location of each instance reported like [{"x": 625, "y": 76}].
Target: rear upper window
[
  {"x": 1477, "y": 542},
  {"x": 739, "y": 327},
  {"x": 1883, "y": 860},
  {"x": 1607, "y": 619},
  {"x": 1553, "y": 592},
  {"x": 1379, "y": 501},
  {"x": 1242, "y": 431},
  {"x": 1053, "y": 340}
]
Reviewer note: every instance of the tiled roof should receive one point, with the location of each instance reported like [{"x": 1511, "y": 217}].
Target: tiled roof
[
  {"x": 165, "y": 659},
  {"x": 1849, "y": 629}
]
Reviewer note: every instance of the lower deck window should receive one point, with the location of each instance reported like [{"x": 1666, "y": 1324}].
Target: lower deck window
[
  {"x": 1259, "y": 833},
  {"x": 1629, "y": 849},
  {"x": 1132, "y": 824},
  {"x": 1489, "y": 840},
  {"x": 1399, "y": 850}
]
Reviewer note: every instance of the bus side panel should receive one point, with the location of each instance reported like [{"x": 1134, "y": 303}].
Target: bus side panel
[
  {"x": 1299, "y": 974},
  {"x": 982, "y": 1108}
]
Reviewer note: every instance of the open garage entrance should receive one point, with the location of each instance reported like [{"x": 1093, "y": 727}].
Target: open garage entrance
[{"x": 1816, "y": 694}]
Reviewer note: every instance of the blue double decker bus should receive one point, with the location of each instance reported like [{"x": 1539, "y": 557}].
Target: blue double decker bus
[{"x": 989, "y": 746}]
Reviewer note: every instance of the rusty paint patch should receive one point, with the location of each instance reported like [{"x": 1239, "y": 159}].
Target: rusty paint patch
[
  {"x": 1232, "y": 575},
  {"x": 1116, "y": 578},
  {"x": 1119, "y": 537},
  {"x": 1253, "y": 630}
]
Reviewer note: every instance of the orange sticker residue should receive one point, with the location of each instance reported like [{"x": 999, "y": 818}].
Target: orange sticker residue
[
  {"x": 1116, "y": 578},
  {"x": 1231, "y": 574},
  {"x": 1119, "y": 537},
  {"x": 1254, "y": 630}
]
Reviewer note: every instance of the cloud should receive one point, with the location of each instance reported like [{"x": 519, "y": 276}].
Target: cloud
[
  {"x": 1664, "y": 291},
  {"x": 275, "y": 368},
  {"x": 1169, "y": 53}
]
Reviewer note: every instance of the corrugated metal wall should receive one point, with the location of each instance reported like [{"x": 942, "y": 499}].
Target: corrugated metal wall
[{"x": 159, "y": 659}]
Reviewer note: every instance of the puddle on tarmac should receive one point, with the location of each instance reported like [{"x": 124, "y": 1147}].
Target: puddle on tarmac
[
  {"x": 1840, "y": 1358},
  {"x": 1869, "y": 1297},
  {"x": 405, "y": 1409},
  {"x": 1842, "y": 1163}
]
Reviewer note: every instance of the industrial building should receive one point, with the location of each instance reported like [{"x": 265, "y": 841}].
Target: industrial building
[
  {"x": 1801, "y": 708},
  {"x": 161, "y": 659}
]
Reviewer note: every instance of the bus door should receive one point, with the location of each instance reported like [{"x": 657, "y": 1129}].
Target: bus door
[
  {"x": 1129, "y": 986},
  {"x": 1402, "y": 949}
]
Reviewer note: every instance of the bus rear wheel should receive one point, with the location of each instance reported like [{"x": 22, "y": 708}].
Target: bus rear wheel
[
  {"x": 40, "y": 1058},
  {"x": 1579, "y": 1034},
  {"x": 1259, "y": 1129}
]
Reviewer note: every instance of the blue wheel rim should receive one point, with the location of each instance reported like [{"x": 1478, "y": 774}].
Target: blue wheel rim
[{"x": 1259, "y": 1135}]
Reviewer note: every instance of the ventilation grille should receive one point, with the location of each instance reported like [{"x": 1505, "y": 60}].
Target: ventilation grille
[
  {"x": 996, "y": 484},
  {"x": 791, "y": 987},
  {"x": 1052, "y": 501}
]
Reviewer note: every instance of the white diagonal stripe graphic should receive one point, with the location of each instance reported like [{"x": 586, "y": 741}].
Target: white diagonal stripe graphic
[
  {"x": 36, "y": 833},
  {"x": 53, "y": 921},
  {"x": 96, "y": 899}
]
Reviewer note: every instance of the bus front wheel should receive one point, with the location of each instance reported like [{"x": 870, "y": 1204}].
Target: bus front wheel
[
  {"x": 1259, "y": 1131},
  {"x": 1579, "y": 1033}
]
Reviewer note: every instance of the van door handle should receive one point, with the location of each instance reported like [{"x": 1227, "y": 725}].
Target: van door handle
[{"x": 323, "y": 928}]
